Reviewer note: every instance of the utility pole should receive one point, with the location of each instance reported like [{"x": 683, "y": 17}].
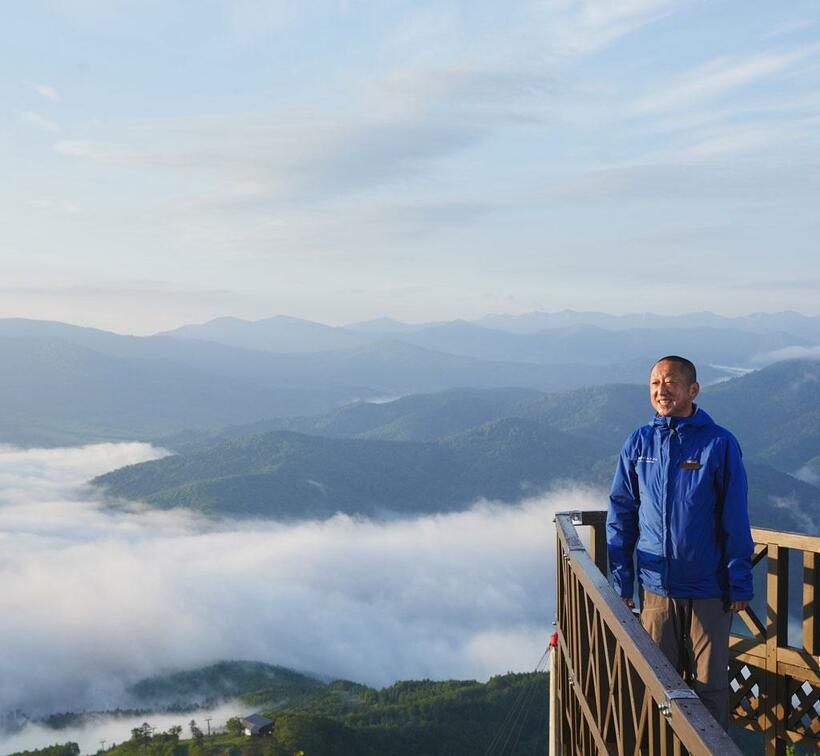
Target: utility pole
[
  {"x": 208, "y": 720},
  {"x": 102, "y": 745}
]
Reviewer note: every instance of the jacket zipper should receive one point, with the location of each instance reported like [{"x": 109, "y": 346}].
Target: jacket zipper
[
  {"x": 664, "y": 455},
  {"x": 670, "y": 459}
]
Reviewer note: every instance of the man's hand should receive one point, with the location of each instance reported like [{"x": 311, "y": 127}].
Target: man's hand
[
  {"x": 628, "y": 600},
  {"x": 738, "y": 606}
]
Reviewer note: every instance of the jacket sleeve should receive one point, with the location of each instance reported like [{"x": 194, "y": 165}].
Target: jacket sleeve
[
  {"x": 622, "y": 522},
  {"x": 734, "y": 520}
]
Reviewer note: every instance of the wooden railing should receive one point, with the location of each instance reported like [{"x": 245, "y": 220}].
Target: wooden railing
[
  {"x": 775, "y": 687},
  {"x": 616, "y": 693}
]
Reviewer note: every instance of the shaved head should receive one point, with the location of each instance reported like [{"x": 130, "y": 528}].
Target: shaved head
[
  {"x": 687, "y": 367},
  {"x": 672, "y": 387}
]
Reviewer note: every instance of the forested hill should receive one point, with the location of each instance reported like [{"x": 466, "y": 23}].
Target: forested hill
[
  {"x": 774, "y": 412},
  {"x": 292, "y": 475},
  {"x": 358, "y": 459},
  {"x": 506, "y": 715},
  {"x": 418, "y": 417},
  {"x": 449, "y": 718},
  {"x": 220, "y": 681}
]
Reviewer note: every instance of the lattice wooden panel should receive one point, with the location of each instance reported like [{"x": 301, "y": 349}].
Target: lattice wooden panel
[
  {"x": 745, "y": 685},
  {"x": 804, "y": 708},
  {"x": 611, "y": 689}
]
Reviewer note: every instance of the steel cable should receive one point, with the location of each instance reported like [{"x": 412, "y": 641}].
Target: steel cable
[{"x": 524, "y": 698}]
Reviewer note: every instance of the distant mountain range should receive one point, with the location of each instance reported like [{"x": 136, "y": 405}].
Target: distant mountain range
[
  {"x": 566, "y": 338},
  {"x": 760, "y": 322},
  {"x": 774, "y": 411},
  {"x": 790, "y": 322},
  {"x": 62, "y": 384},
  {"x": 445, "y": 451},
  {"x": 289, "y": 429},
  {"x": 58, "y": 392}
]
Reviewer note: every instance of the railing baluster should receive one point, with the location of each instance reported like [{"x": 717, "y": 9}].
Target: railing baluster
[
  {"x": 777, "y": 625},
  {"x": 608, "y": 662},
  {"x": 664, "y": 736},
  {"x": 597, "y": 544},
  {"x": 612, "y": 677},
  {"x": 811, "y": 594}
]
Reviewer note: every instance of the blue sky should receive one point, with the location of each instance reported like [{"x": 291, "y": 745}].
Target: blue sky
[{"x": 169, "y": 162}]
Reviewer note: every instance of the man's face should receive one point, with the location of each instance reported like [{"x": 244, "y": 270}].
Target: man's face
[{"x": 670, "y": 393}]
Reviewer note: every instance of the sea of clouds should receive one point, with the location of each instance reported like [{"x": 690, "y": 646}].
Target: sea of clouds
[
  {"x": 95, "y": 599},
  {"x": 105, "y": 730}
]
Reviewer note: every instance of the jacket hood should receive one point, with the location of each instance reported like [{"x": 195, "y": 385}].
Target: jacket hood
[{"x": 697, "y": 418}]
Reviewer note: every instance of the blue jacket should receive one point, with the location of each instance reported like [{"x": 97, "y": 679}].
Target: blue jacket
[{"x": 679, "y": 498}]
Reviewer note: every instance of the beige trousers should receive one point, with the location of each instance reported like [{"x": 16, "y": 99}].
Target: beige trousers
[{"x": 694, "y": 635}]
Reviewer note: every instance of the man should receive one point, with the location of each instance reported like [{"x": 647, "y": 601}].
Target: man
[{"x": 679, "y": 499}]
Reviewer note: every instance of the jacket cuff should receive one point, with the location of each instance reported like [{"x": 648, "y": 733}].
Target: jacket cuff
[{"x": 624, "y": 588}]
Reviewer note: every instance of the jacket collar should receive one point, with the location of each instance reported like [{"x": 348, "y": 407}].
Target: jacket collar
[{"x": 697, "y": 418}]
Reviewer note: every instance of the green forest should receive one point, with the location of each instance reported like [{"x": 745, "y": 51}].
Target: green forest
[
  {"x": 506, "y": 715},
  {"x": 443, "y": 452}
]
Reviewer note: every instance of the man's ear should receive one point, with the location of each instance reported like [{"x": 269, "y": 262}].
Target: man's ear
[{"x": 694, "y": 390}]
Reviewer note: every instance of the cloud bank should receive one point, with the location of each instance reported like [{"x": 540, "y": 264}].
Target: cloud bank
[
  {"x": 115, "y": 729},
  {"x": 95, "y": 599}
]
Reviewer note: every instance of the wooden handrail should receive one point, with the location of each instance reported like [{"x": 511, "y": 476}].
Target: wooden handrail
[
  {"x": 617, "y": 692},
  {"x": 776, "y": 686}
]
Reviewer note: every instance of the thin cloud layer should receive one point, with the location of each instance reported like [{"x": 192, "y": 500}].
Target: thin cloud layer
[
  {"x": 114, "y": 729},
  {"x": 39, "y": 120},
  {"x": 787, "y": 353},
  {"x": 47, "y": 91},
  {"x": 95, "y": 600}
]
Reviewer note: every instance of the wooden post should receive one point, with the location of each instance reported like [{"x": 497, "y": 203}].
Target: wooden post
[
  {"x": 614, "y": 687},
  {"x": 811, "y": 594},
  {"x": 597, "y": 544},
  {"x": 555, "y": 704},
  {"x": 777, "y": 625}
]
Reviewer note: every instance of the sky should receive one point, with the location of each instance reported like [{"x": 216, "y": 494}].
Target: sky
[
  {"x": 96, "y": 599},
  {"x": 171, "y": 162}
]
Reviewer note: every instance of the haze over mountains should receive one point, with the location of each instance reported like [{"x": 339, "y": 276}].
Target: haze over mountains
[
  {"x": 444, "y": 451},
  {"x": 543, "y": 338},
  {"x": 268, "y": 417},
  {"x": 62, "y": 384},
  {"x": 758, "y": 322}
]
